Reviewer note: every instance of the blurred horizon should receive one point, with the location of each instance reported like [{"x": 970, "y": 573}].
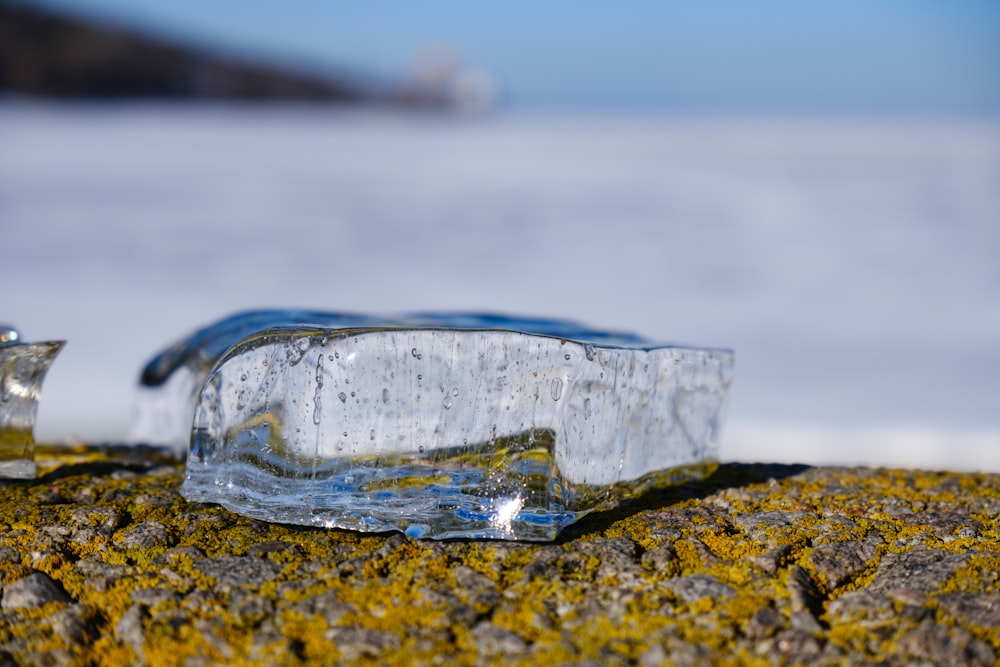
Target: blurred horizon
[{"x": 724, "y": 57}]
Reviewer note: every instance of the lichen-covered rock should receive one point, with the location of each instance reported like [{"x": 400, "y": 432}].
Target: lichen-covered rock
[
  {"x": 102, "y": 562},
  {"x": 35, "y": 590}
]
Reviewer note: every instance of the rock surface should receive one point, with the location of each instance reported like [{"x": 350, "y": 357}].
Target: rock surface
[{"x": 102, "y": 562}]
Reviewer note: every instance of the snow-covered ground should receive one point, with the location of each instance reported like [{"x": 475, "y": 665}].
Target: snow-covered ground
[{"x": 854, "y": 265}]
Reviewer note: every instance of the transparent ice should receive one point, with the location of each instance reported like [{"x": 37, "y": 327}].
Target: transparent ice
[
  {"x": 22, "y": 369},
  {"x": 440, "y": 425}
]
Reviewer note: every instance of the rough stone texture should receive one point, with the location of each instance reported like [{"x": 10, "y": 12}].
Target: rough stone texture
[
  {"x": 102, "y": 562},
  {"x": 35, "y": 590}
]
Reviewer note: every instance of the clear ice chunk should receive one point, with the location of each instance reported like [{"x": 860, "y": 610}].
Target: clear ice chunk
[
  {"x": 439, "y": 426},
  {"x": 22, "y": 369}
]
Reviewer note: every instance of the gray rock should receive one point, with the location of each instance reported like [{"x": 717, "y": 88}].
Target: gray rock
[
  {"x": 862, "y": 607},
  {"x": 762, "y": 526},
  {"x": 697, "y": 586},
  {"x": 795, "y": 646},
  {"x": 977, "y": 609},
  {"x": 659, "y": 558},
  {"x": 170, "y": 555},
  {"x": 153, "y": 596},
  {"x": 945, "y": 645},
  {"x": 654, "y": 656},
  {"x": 146, "y": 534},
  {"x": 212, "y": 632},
  {"x": 325, "y": 604},
  {"x": 840, "y": 562},
  {"x": 475, "y": 590},
  {"x": 72, "y": 626},
  {"x": 96, "y": 568},
  {"x": 806, "y": 596},
  {"x": 920, "y": 571},
  {"x": 947, "y": 521},
  {"x": 773, "y": 559},
  {"x": 103, "y": 520},
  {"x": 130, "y": 630},
  {"x": 152, "y": 502},
  {"x": 674, "y": 519},
  {"x": 492, "y": 640},
  {"x": 764, "y": 623},
  {"x": 263, "y": 549},
  {"x": 236, "y": 571},
  {"x": 32, "y": 591},
  {"x": 617, "y": 556},
  {"x": 354, "y": 643}
]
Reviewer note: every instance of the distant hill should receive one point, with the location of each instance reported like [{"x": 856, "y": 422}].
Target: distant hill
[{"x": 50, "y": 55}]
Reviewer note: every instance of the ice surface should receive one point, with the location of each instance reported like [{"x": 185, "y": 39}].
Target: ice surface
[
  {"x": 170, "y": 381},
  {"x": 22, "y": 369},
  {"x": 441, "y": 425}
]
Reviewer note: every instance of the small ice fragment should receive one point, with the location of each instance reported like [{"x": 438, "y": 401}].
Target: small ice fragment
[{"x": 22, "y": 369}]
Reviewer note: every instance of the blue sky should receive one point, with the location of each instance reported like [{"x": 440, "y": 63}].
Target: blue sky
[{"x": 888, "y": 57}]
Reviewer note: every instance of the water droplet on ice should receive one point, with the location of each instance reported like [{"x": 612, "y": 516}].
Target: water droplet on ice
[
  {"x": 420, "y": 449},
  {"x": 385, "y": 395},
  {"x": 568, "y": 357},
  {"x": 447, "y": 402},
  {"x": 416, "y": 354},
  {"x": 343, "y": 397},
  {"x": 454, "y": 392},
  {"x": 243, "y": 377},
  {"x": 589, "y": 351},
  {"x": 557, "y": 385}
]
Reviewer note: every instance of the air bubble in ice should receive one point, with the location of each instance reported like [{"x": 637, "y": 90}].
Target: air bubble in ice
[{"x": 556, "y": 388}]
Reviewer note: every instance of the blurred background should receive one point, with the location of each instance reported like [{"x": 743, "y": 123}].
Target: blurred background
[{"x": 816, "y": 186}]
